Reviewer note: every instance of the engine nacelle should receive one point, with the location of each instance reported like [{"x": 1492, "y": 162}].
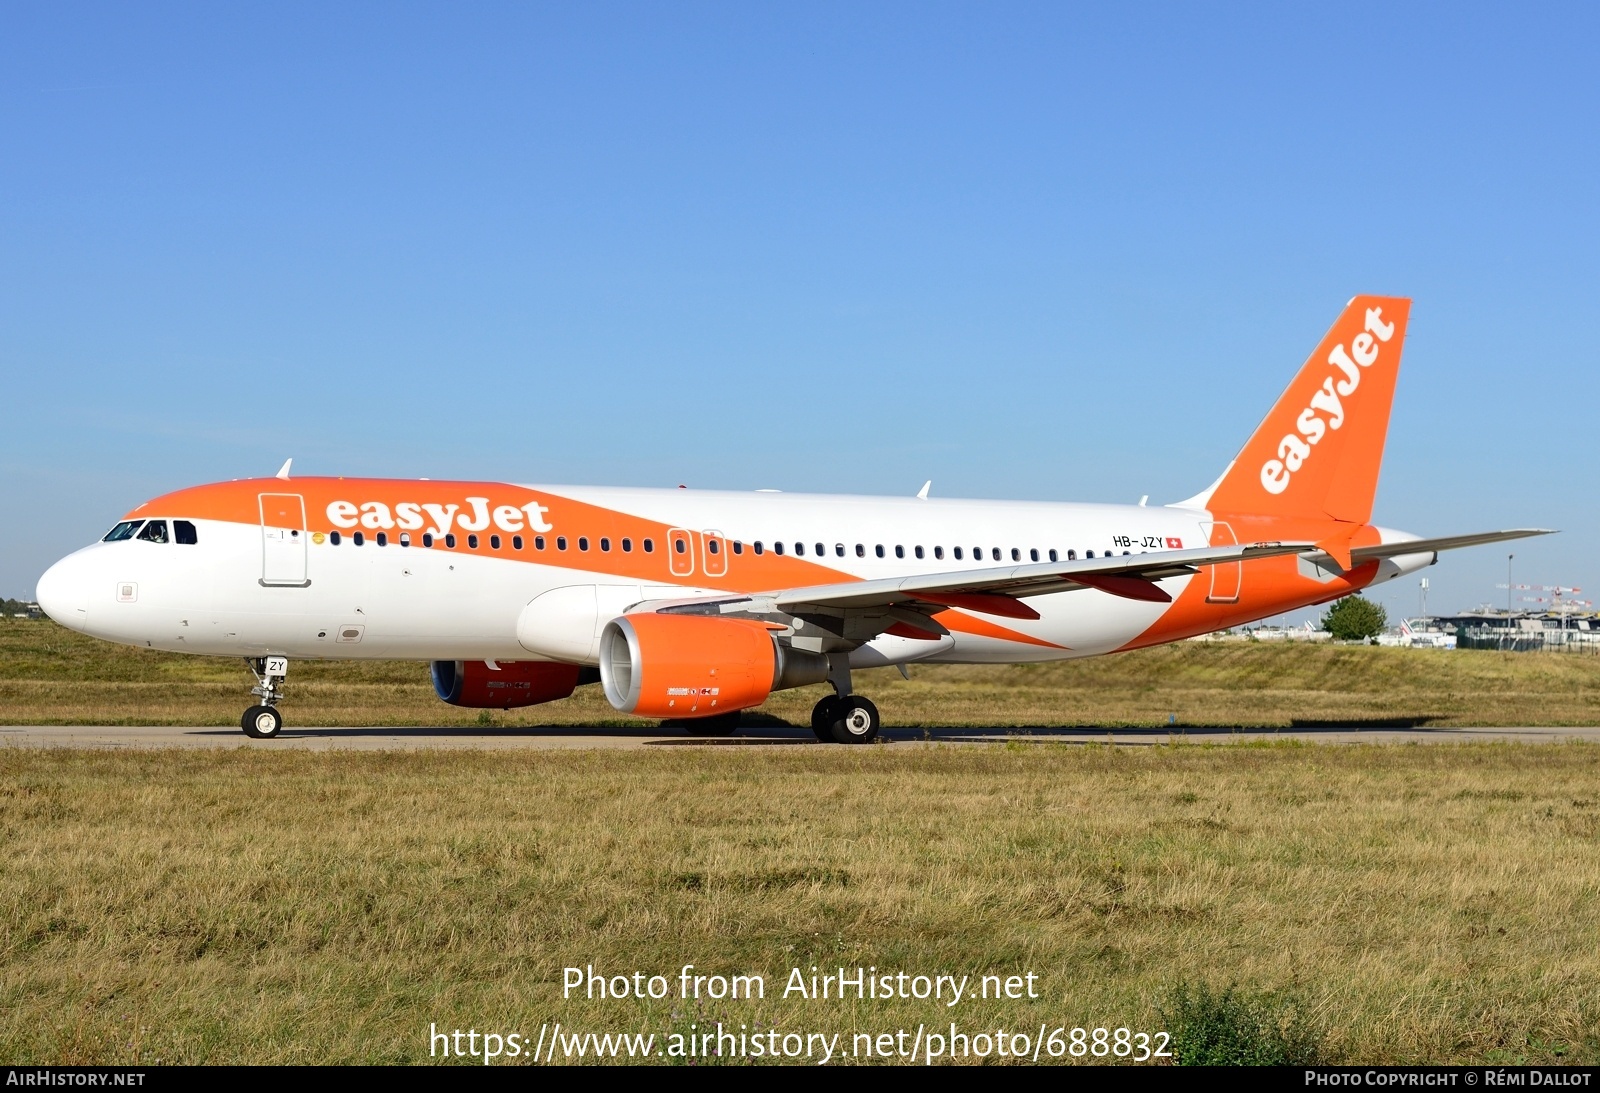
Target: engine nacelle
[
  {"x": 474, "y": 684},
  {"x": 697, "y": 665}
]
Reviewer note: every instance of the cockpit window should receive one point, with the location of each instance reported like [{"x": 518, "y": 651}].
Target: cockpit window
[
  {"x": 155, "y": 531},
  {"x": 183, "y": 532},
  {"x": 122, "y": 531}
]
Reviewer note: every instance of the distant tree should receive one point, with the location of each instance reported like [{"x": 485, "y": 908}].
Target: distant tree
[{"x": 1355, "y": 618}]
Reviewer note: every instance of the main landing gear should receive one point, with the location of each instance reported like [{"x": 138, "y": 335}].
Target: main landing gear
[
  {"x": 844, "y": 718},
  {"x": 852, "y": 719},
  {"x": 263, "y": 722}
]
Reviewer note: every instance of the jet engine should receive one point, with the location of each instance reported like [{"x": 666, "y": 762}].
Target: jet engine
[
  {"x": 683, "y": 666},
  {"x": 474, "y": 684}
]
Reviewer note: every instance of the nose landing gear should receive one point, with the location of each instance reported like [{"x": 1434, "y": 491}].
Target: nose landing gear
[{"x": 263, "y": 722}]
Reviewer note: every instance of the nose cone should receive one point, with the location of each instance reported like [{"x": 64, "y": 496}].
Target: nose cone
[{"x": 63, "y": 592}]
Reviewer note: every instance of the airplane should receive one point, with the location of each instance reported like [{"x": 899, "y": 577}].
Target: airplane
[{"x": 694, "y": 605}]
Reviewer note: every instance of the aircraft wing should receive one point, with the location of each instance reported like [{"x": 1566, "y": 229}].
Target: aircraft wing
[{"x": 999, "y": 590}]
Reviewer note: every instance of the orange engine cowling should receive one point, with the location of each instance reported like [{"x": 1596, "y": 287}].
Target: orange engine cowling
[
  {"x": 686, "y": 665},
  {"x": 474, "y": 684}
]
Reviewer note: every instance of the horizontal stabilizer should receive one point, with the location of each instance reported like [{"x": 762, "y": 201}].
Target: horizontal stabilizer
[{"x": 1447, "y": 542}]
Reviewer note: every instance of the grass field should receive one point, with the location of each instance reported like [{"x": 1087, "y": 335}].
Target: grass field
[
  {"x": 1420, "y": 903},
  {"x": 1405, "y": 903},
  {"x": 50, "y": 675}
]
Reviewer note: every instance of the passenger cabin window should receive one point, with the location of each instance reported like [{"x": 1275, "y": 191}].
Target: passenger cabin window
[
  {"x": 1088, "y": 554},
  {"x": 1034, "y": 554},
  {"x": 957, "y": 553},
  {"x": 449, "y": 540},
  {"x": 861, "y": 550},
  {"x": 538, "y": 542},
  {"x": 516, "y": 542},
  {"x": 494, "y": 542},
  {"x": 758, "y": 548},
  {"x": 334, "y": 537},
  {"x": 583, "y": 542},
  {"x": 918, "y": 552},
  {"x": 1053, "y": 557},
  {"x": 878, "y": 550},
  {"x": 899, "y": 552},
  {"x": 679, "y": 546},
  {"x": 405, "y": 538},
  {"x": 1072, "y": 555},
  {"x": 938, "y": 552},
  {"x": 472, "y": 542},
  {"x": 822, "y": 551},
  {"x": 561, "y": 542},
  {"x": 996, "y": 553},
  {"x": 627, "y": 546},
  {"x": 605, "y": 543},
  {"x": 427, "y": 538},
  {"x": 738, "y": 547},
  {"x": 122, "y": 531},
  {"x": 383, "y": 538},
  {"x": 838, "y": 549},
  {"x": 155, "y": 531},
  {"x": 183, "y": 531},
  {"x": 777, "y": 548},
  {"x": 649, "y": 546},
  {"x": 358, "y": 539},
  {"x": 800, "y": 550},
  {"x": 712, "y": 547},
  {"x": 1016, "y": 555}
]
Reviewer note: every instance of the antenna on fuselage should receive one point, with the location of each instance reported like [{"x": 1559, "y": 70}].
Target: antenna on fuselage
[
  {"x": 283, "y": 471},
  {"x": 922, "y": 494}
]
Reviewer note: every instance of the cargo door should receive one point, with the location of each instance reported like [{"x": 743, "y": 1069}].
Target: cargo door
[
  {"x": 283, "y": 540},
  {"x": 1226, "y": 577}
]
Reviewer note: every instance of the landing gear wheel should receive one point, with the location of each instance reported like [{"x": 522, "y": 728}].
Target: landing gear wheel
[
  {"x": 261, "y": 722},
  {"x": 822, "y": 715},
  {"x": 722, "y": 724},
  {"x": 856, "y": 720}
]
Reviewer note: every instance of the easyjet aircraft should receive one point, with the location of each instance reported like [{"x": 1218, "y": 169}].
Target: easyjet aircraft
[{"x": 694, "y": 605}]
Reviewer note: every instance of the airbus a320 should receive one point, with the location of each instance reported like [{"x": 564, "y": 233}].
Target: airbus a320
[{"x": 694, "y": 605}]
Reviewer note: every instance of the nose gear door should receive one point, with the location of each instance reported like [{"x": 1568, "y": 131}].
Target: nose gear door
[{"x": 283, "y": 540}]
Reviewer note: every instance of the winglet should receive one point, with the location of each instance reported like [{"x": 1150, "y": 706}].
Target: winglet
[
  {"x": 922, "y": 494},
  {"x": 283, "y": 471}
]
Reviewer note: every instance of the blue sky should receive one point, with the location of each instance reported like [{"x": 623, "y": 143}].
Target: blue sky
[{"x": 1034, "y": 251}]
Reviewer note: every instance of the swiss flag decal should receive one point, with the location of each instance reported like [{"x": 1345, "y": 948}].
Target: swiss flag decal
[{"x": 1174, "y": 544}]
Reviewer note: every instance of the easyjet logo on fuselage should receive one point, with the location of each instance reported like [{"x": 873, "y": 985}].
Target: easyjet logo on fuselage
[
  {"x": 477, "y": 515},
  {"x": 1295, "y": 448}
]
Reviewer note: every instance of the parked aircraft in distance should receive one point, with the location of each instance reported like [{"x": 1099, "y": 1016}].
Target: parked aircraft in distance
[{"x": 694, "y": 605}]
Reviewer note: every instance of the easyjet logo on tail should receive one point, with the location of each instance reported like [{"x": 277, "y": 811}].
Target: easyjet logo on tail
[
  {"x": 1295, "y": 448},
  {"x": 412, "y": 516}
]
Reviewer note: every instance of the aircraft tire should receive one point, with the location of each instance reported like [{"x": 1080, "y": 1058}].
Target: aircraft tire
[
  {"x": 261, "y": 722},
  {"x": 856, "y": 720},
  {"x": 822, "y": 718}
]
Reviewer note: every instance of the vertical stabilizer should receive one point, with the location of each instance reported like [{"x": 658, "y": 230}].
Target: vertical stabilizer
[{"x": 1318, "y": 451}]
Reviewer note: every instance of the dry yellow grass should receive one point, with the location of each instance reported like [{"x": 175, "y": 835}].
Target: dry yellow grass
[
  {"x": 49, "y": 675},
  {"x": 1427, "y": 903}
]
